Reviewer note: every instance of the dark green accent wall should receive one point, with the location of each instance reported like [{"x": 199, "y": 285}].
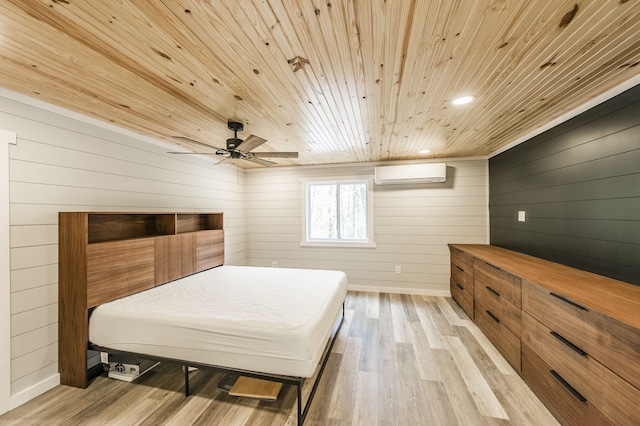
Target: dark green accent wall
[{"x": 579, "y": 184}]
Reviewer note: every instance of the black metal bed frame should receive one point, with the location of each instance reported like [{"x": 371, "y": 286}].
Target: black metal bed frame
[{"x": 289, "y": 380}]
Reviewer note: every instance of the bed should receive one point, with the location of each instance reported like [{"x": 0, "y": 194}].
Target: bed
[
  {"x": 272, "y": 320},
  {"x": 271, "y": 323}
]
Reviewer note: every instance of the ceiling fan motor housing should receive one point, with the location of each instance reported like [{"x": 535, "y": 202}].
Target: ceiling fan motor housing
[{"x": 232, "y": 143}]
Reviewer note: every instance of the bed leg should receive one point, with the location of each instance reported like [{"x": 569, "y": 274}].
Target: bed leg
[
  {"x": 300, "y": 418},
  {"x": 186, "y": 380},
  {"x": 302, "y": 413}
]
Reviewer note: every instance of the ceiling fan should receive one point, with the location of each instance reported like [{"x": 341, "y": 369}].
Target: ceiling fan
[{"x": 239, "y": 149}]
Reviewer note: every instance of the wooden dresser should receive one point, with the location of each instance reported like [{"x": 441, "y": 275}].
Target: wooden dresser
[
  {"x": 572, "y": 335},
  {"x": 104, "y": 256}
]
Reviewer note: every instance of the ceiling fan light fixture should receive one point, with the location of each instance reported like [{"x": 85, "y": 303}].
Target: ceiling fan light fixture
[{"x": 462, "y": 100}]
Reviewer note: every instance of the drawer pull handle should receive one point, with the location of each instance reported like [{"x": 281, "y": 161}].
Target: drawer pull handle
[
  {"x": 568, "y": 386},
  {"x": 568, "y": 343},
  {"x": 493, "y": 317},
  {"x": 571, "y": 302},
  {"x": 492, "y": 290},
  {"x": 460, "y": 268},
  {"x": 459, "y": 286}
]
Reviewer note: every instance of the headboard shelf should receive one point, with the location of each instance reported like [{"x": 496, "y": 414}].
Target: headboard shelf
[
  {"x": 121, "y": 226},
  {"x": 104, "y": 256},
  {"x": 192, "y": 222}
]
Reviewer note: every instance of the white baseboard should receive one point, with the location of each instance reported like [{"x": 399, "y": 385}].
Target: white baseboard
[
  {"x": 35, "y": 390},
  {"x": 400, "y": 290}
]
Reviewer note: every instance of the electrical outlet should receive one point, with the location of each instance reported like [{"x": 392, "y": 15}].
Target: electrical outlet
[
  {"x": 104, "y": 357},
  {"x": 398, "y": 269},
  {"x": 521, "y": 216},
  {"x": 274, "y": 263}
]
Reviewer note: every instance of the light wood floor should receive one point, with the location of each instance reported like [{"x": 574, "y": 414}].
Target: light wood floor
[{"x": 398, "y": 360}]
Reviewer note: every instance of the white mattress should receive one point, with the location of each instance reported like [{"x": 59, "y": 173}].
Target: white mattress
[{"x": 269, "y": 320}]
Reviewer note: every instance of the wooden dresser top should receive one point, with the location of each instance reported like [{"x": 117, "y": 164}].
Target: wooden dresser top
[{"x": 614, "y": 298}]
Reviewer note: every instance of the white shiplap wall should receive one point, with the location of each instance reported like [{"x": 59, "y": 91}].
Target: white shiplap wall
[
  {"x": 63, "y": 164},
  {"x": 412, "y": 225}
]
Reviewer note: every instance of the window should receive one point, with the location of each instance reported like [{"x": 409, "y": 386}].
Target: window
[{"x": 338, "y": 212}]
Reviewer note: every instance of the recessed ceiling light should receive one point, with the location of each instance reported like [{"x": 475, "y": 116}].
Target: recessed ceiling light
[
  {"x": 424, "y": 151},
  {"x": 463, "y": 100}
]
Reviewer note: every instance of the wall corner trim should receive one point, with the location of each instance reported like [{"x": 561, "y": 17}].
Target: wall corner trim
[{"x": 6, "y": 138}]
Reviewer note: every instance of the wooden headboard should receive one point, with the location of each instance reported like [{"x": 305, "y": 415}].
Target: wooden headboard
[{"x": 105, "y": 256}]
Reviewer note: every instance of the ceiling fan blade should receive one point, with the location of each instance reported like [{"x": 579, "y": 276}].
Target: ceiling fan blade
[
  {"x": 275, "y": 154},
  {"x": 252, "y": 142},
  {"x": 191, "y": 153},
  {"x": 196, "y": 142},
  {"x": 260, "y": 161},
  {"x": 224, "y": 161}
]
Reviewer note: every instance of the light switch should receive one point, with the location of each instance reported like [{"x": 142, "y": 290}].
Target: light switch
[{"x": 521, "y": 216}]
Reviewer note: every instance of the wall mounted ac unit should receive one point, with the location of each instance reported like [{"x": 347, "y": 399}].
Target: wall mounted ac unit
[{"x": 411, "y": 173}]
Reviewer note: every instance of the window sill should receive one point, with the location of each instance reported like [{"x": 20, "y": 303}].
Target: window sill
[{"x": 336, "y": 244}]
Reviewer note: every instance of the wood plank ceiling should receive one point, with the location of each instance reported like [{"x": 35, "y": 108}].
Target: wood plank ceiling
[{"x": 337, "y": 80}]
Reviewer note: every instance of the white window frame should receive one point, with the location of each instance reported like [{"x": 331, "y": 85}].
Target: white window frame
[{"x": 305, "y": 242}]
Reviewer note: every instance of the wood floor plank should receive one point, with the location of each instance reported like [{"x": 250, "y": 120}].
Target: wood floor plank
[
  {"x": 434, "y": 336},
  {"x": 322, "y": 400},
  {"x": 486, "y": 401},
  {"x": 438, "y": 408},
  {"x": 390, "y": 405},
  {"x": 341, "y": 342},
  {"x": 385, "y": 329},
  {"x": 141, "y": 410},
  {"x": 359, "y": 306},
  {"x": 483, "y": 362},
  {"x": 190, "y": 411},
  {"x": 466, "y": 410},
  {"x": 366, "y": 398},
  {"x": 398, "y": 360},
  {"x": 398, "y": 319},
  {"x": 409, "y": 309},
  {"x": 500, "y": 362},
  {"x": 447, "y": 311},
  {"x": 411, "y": 390},
  {"x": 240, "y": 412},
  {"x": 370, "y": 344},
  {"x": 427, "y": 367},
  {"x": 373, "y": 305},
  {"x": 343, "y": 398},
  {"x": 441, "y": 321},
  {"x": 524, "y": 407}
]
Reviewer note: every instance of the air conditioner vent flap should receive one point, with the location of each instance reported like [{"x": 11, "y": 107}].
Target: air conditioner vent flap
[{"x": 411, "y": 173}]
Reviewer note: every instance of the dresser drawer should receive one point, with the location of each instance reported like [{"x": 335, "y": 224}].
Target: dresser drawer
[
  {"x": 504, "y": 340},
  {"x": 464, "y": 299},
  {"x": 612, "y": 343},
  {"x": 613, "y": 396},
  {"x": 567, "y": 407},
  {"x": 464, "y": 259},
  {"x": 462, "y": 276},
  {"x": 508, "y": 313},
  {"x": 508, "y": 285}
]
